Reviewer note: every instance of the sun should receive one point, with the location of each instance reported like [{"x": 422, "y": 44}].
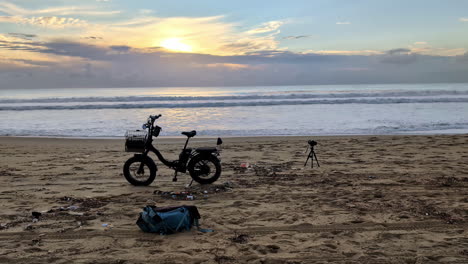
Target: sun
[{"x": 175, "y": 44}]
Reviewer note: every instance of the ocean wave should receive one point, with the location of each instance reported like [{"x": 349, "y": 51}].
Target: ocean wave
[
  {"x": 436, "y": 128},
  {"x": 335, "y": 95},
  {"x": 233, "y": 104}
]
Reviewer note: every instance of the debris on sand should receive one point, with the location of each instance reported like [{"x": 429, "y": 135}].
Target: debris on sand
[
  {"x": 36, "y": 216},
  {"x": 240, "y": 238},
  {"x": 191, "y": 193},
  {"x": 68, "y": 208},
  {"x": 66, "y": 198},
  {"x": 187, "y": 196},
  {"x": 82, "y": 204},
  {"x": 245, "y": 165},
  {"x": 273, "y": 248},
  {"x": 445, "y": 181},
  {"x": 430, "y": 210}
]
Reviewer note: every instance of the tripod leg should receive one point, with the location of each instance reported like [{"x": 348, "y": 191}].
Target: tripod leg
[
  {"x": 316, "y": 160},
  {"x": 308, "y": 157}
]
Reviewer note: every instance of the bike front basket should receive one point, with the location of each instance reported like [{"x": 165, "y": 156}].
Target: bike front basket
[{"x": 135, "y": 140}]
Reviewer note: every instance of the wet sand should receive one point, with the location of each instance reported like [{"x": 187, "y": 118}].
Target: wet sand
[{"x": 375, "y": 199}]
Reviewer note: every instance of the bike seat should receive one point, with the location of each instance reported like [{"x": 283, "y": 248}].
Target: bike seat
[
  {"x": 189, "y": 134},
  {"x": 206, "y": 150}
]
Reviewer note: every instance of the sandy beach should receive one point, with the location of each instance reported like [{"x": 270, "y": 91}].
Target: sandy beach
[{"x": 375, "y": 199}]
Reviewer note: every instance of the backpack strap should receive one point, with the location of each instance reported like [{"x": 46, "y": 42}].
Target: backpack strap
[{"x": 203, "y": 230}]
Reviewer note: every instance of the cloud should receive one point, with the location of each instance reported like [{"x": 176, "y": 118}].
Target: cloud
[
  {"x": 22, "y": 35},
  {"x": 398, "y": 51},
  {"x": 249, "y": 45},
  {"x": 228, "y": 66},
  {"x": 343, "y": 23},
  {"x": 86, "y": 65},
  {"x": 10, "y": 19},
  {"x": 120, "y": 49},
  {"x": 14, "y": 10},
  {"x": 297, "y": 37},
  {"x": 54, "y": 22},
  {"x": 17, "y": 64},
  {"x": 201, "y": 34},
  {"x": 145, "y": 11},
  {"x": 399, "y": 56},
  {"x": 346, "y": 52},
  {"x": 463, "y": 19},
  {"x": 266, "y": 27},
  {"x": 93, "y": 37},
  {"x": 439, "y": 51},
  {"x": 17, "y": 41},
  {"x": 424, "y": 49}
]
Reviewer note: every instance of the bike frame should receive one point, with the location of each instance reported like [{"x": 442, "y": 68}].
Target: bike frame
[
  {"x": 149, "y": 147},
  {"x": 171, "y": 164}
]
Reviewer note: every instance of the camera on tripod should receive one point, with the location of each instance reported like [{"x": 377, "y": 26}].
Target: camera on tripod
[{"x": 312, "y": 155}]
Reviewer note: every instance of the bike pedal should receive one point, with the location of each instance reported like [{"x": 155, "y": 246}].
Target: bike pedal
[{"x": 174, "y": 179}]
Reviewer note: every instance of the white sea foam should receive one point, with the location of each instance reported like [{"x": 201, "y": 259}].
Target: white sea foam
[
  {"x": 234, "y": 104},
  {"x": 252, "y": 96}
]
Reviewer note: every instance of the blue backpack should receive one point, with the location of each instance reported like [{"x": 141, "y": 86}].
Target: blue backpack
[{"x": 168, "y": 220}]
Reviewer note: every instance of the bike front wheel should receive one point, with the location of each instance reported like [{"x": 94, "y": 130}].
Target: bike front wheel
[
  {"x": 140, "y": 171},
  {"x": 204, "y": 169}
]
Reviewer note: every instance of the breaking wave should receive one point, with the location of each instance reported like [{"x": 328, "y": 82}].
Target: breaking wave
[
  {"x": 288, "y": 96},
  {"x": 236, "y": 103}
]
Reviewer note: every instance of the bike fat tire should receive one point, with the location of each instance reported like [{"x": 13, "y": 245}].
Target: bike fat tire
[
  {"x": 138, "y": 159},
  {"x": 209, "y": 158}
]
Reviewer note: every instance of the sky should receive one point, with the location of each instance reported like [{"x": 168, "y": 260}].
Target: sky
[{"x": 150, "y": 43}]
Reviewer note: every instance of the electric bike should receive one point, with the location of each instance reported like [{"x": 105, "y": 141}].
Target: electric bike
[{"x": 202, "y": 164}]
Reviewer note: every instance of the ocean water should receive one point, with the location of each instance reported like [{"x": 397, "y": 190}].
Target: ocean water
[{"x": 238, "y": 111}]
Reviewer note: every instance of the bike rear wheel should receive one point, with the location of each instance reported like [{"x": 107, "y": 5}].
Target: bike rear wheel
[
  {"x": 204, "y": 169},
  {"x": 140, "y": 177}
]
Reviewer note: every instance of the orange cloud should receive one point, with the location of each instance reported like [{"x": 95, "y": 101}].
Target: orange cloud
[{"x": 231, "y": 66}]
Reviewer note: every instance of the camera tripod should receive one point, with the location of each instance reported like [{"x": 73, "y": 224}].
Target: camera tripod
[{"x": 312, "y": 154}]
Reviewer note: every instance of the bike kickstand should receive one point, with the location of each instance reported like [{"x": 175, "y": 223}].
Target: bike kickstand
[
  {"x": 175, "y": 177},
  {"x": 190, "y": 184}
]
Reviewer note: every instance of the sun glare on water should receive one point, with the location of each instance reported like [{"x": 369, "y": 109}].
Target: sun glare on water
[{"x": 175, "y": 44}]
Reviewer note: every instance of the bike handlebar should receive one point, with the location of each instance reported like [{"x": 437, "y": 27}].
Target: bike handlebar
[
  {"x": 154, "y": 117},
  {"x": 151, "y": 119}
]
